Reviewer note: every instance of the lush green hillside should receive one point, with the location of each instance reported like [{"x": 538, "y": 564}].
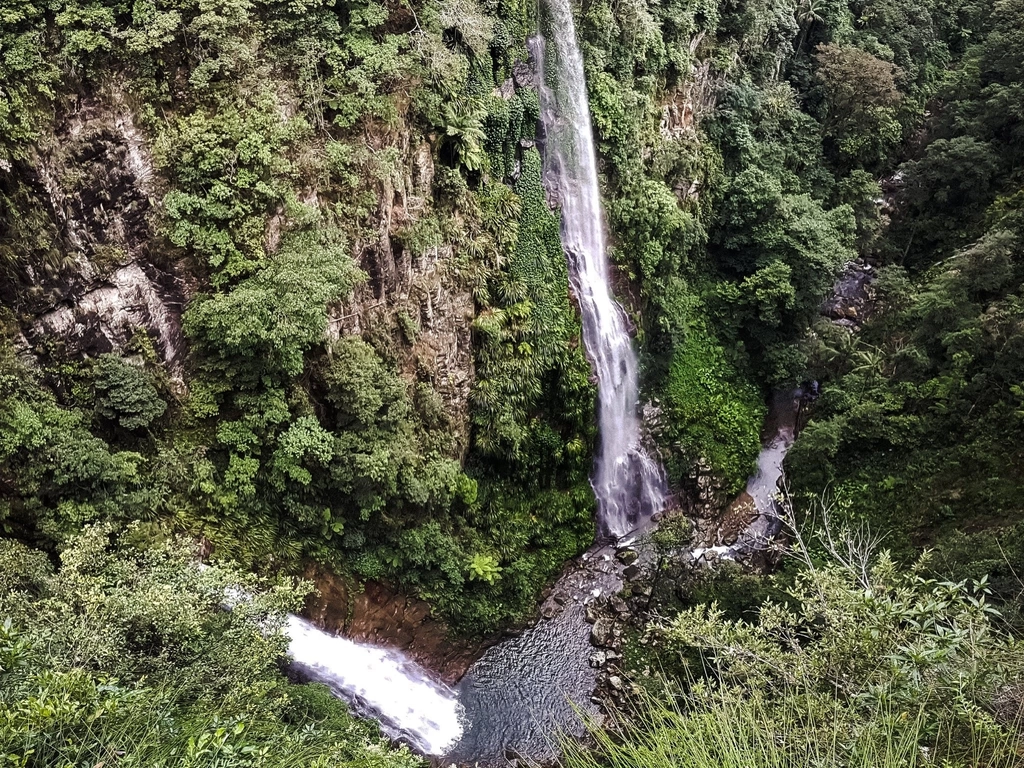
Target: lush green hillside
[
  {"x": 282, "y": 278},
  {"x": 918, "y": 430}
]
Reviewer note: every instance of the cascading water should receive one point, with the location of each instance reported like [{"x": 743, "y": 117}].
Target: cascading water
[
  {"x": 523, "y": 691},
  {"x": 380, "y": 683},
  {"x": 628, "y": 484}
]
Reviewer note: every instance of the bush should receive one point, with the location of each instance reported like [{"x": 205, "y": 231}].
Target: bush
[
  {"x": 126, "y": 394},
  {"x": 154, "y": 671},
  {"x": 865, "y": 664},
  {"x": 712, "y": 414}
]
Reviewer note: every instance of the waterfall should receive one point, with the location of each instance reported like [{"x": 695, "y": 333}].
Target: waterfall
[
  {"x": 539, "y": 682},
  {"x": 380, "y": 683},
  {"x": 628, "y": 484}
]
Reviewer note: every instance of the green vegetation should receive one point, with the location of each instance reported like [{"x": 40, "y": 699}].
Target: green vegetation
[
  {"x": 153, "y": 671},
  {"x": 271, "y": 135},
  {"x": 283, "y": 278},
  {"x": 863, "y": 663},
  {"x": 917, "y": 431}
]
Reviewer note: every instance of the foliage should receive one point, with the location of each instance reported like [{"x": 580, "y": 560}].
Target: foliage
[
  {"x": 744, "y": 150},
  {"x": 862, "y": 99},
  {"x": 530, "y": 349},
  {"x": 126, "y": 393},
  {"x": 711, "y": 413},
  {"x": 917, "y": 428},
  {"x": 865, "y": 663},
  {"x": 55, "y": 473},
  {"x": 153, "y": 669},
  {"x": 260, "y": 330},
  {"x": 223, "y": 165}
]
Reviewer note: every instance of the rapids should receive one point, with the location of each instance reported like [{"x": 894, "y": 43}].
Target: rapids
[{"x": 381, "y": 683}]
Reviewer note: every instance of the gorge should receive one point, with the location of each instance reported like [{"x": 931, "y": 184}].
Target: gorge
[
  {"x": 524, "y": 691},
  {"x": 472, "y": 341}
]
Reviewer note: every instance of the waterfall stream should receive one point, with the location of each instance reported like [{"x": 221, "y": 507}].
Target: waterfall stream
[
  {"x": 524, "y": 691},
  {"x": 628, "y": 484},
  {"x": 380, "y": 683}
]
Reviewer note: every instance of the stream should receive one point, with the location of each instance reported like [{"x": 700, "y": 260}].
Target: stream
[{"x": 525, "y": 692}]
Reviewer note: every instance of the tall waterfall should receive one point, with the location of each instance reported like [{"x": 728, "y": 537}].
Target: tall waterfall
[{"x": 628, "y": 484}]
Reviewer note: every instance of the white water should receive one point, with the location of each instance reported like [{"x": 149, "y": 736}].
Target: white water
[
  {"x": 628, "y": 485},
  {"x": 381, "y": 683},
  {"x": 520, "y": 703}
]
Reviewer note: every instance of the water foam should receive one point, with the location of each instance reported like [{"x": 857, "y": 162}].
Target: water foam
[{"x": 380, "y": 683}]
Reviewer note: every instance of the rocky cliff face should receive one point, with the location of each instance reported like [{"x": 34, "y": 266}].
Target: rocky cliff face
[
  {"x": 95, "y": 275},
  {"x": 414, "y": 297},
  {"x": 100, "y": 272}
]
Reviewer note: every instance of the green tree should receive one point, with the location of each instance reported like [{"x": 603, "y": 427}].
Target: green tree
[
  {"x": 154, "y": 670},
  {"x": 125, "y": 393}
]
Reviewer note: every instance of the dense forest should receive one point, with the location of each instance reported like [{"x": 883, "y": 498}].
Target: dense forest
[{"x": 281, "y": 288}]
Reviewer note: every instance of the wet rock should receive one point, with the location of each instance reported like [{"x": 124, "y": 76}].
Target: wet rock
[
  {"x": 615, "y": 682},
  {"x": 601, "y": 634},
  {"x": 106, "y": 317},
  {"x": 618, "y": 605},
  {"x": 631, "y": 573},
  {"x": 593, "y": 613},
  {"x": 506, "y": 90},
  {"x": 523, "y": 74},
  {"x": 627, "y": 556},
  {"x": 852, "y": 299},
  {"x": 598, "y": 658}
]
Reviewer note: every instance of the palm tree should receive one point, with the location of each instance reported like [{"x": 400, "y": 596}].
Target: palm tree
[{"x": 806, "y": 12}]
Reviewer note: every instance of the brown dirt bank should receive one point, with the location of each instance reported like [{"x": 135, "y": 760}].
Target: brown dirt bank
[{"x": 377, "y": 613}]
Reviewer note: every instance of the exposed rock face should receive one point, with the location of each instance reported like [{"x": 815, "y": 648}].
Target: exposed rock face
[
  {"x": 415, "y": 295},
  {"x": 105, "y": 318},
  {"x": 709, "y": 498},
  {"x": 853, "y": 298},
  {"x": 91, "y": 280}
]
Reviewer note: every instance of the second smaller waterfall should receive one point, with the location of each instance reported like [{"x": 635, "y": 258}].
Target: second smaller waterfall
[{"x": 628, "y": 484}]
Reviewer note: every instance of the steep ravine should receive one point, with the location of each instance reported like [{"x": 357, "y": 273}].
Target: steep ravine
[{"x": 118, "y": 280}]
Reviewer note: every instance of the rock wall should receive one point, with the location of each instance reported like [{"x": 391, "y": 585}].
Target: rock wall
[
  {"x": 91, "y": 277},
  {"x": 417, "y": 300}
]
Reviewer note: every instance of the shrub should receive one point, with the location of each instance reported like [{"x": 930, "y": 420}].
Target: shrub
[{"x": 126, "y": 394}]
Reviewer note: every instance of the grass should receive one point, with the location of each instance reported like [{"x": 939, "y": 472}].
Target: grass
[{"x": 714, "y": 728}]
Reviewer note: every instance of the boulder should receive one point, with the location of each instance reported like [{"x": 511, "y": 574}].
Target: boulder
[
  {"x": 627, "y": 556},
  {"x": 601, "y": 633}
]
